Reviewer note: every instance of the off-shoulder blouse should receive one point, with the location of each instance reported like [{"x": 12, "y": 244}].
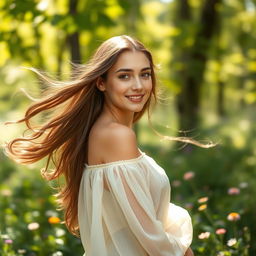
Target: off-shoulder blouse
[{"x": 124, "y": 209}]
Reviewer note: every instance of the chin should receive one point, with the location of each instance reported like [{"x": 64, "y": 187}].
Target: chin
[{"x": 138, "y": 109}]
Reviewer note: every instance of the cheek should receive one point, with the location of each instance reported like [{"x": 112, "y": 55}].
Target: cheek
[
  {"x": 149, "y": 86},
  {"x": 115, "y": 90}
]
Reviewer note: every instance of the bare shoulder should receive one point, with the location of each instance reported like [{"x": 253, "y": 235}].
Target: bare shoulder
[{"x": 117, "y": 142}]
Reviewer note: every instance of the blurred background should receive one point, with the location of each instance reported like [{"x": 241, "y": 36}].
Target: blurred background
[{"x": 206, "y": 54}]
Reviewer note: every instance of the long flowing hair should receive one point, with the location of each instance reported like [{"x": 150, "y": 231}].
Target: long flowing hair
[{"x": 69, "y": 111}]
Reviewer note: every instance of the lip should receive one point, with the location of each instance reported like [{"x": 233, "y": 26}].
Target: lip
[{"x": 135, "y": 97}]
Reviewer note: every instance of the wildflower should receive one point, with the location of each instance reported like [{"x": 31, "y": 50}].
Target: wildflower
[
  {"x": 221, "y": 253},
  {"x": 233, "y": 191},
  {"x": 54, "y": 220},
  {"x": 50, "y": 213},
  {"x": 59, "y": 241},
  {"x": 202, "y": 207},
  {"x": 233, "y": 216},
  {"x": 33, "y": 226},
  {"x": 5, "y": 236},
  {"x": 188, "y": 175},
  {"x": 243, "y": 185},
  {"x": 60, "y": 232},
  {"x": 21, "y": 251},
  {"x": 204, "y": 235},
  {"x": 8, "y": 241},
  {"x": 176, "y": 183},
  {"x": 58, "y": 253},
  {"x": 203, "y": 199},
  {"x": 231, "y": 242},
  {"x": 6, "y": 192},
  {"x": 220, "y": 231}
]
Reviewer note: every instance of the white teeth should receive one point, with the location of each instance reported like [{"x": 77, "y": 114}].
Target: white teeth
[{"x": 135, "y": 97}]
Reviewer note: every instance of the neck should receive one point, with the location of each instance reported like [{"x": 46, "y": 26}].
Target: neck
[{"x": 124, "y": 118}]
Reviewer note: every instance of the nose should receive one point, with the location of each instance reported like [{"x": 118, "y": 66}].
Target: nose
[{"x": 137, "y": 84}]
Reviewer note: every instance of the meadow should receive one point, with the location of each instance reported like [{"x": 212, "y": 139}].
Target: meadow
[{"x": 215, "y": 185}]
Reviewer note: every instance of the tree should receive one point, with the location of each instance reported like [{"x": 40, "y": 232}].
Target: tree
[{"x": 193, "y": 57}]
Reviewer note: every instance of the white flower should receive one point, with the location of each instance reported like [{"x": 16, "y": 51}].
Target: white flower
[
  {"x": 231, "y": 242},
  {"x": 5, "y": 236},
  {"x": 58, "y": 253},
  {"x": 21, "y": 251},
  {"x": 204, "y": 235},
  {"x": 59, "y": 241},
  {"x": 33, "y": 226},
  {"x": 243, "y": 185},
  {"x": 51, "y": 213},
  {"x": 60, "y": 232}
]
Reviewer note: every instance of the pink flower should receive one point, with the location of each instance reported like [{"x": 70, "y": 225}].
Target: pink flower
[
  {"x": 233, "y": 191},
  {"x": 188, "y": 175},
  {"x": 203, "y": 199},
  {"x": 8, "y": 241},
  {"x": 220, "y": 231}
]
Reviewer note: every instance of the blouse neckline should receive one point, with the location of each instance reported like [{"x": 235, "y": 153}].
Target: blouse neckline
[{"x": 132, "y": 160}]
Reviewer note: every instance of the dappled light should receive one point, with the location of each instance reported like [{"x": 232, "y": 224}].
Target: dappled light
[{"x": 205, "y": 56}]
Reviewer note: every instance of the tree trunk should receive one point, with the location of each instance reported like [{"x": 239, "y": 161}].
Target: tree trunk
[
  {"x": 218, "y": 54},
  {"x": 188, "y": 101},
  {"x": 73, "y": 39},
  {"x": 61, "y": 50},
  {"x": 220, "y": 99}
]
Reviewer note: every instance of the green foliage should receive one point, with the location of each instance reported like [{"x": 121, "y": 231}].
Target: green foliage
[
  {"x": 223, "y": 174},
  {"x": 34, "y": 33},
  {"x": 27, "y": 204}
]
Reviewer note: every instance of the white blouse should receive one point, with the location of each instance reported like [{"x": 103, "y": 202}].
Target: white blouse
[{"x": 124, "y": 209}]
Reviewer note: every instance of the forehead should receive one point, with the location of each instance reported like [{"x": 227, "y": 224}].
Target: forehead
[{"x": 131, "y": 60}]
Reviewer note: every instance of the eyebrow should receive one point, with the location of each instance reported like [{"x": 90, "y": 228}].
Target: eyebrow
[{"x": 130, "y": 70}]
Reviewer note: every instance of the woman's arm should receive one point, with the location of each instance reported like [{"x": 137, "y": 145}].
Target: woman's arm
[{"x": 189, "y": 252}]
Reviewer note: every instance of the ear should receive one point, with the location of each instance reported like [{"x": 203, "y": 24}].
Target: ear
[{"x": 100, "y": 84}]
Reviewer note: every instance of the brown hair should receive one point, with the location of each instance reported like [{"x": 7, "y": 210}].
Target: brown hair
[{"x": 72, "y": 108}]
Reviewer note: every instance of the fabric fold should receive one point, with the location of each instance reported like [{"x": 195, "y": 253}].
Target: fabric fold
[{"x": 127, "y": 211}]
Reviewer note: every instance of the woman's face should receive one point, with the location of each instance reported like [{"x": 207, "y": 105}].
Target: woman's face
[{"x": 128, "y": 84}]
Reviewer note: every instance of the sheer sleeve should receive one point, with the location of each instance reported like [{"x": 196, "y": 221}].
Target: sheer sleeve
[{"x": 122, "y": 218}]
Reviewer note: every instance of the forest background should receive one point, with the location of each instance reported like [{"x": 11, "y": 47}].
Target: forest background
[{"x": 206, "y": 52}]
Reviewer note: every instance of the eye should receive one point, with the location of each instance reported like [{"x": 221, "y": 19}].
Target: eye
[
  {"x": 146, "y": 74},
  {"x": 124, "y": 76}
]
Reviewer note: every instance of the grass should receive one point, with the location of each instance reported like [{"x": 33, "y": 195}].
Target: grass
[{"x": 210, "y": 183}]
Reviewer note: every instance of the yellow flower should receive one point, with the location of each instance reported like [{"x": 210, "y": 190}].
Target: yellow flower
[
  {"x": 202, "y": 207},
  {"x": 233, "y": 216},
  {"x": 54, "y": 220}
]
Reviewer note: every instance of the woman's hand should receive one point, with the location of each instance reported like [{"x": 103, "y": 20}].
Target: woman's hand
[{"x": 189, "y": 252}]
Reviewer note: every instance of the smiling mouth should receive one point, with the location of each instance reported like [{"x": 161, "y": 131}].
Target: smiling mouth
[{"x": 135, "y": 98}]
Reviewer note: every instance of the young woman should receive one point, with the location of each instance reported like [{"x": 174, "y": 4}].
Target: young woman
[{"x": 116, "y": 198}]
